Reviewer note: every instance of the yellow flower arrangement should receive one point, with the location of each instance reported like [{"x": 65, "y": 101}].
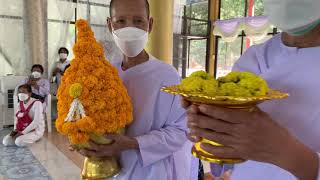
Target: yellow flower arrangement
[
  {"x": 237, "y": 90},
  {"x": 237, "y": 84},
  {"x": 92, "y": 84}
]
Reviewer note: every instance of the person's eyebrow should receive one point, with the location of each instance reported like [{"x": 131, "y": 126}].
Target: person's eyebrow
[
  {"x": 118, "y": 17},
  {"x": 140, "y": 17}
]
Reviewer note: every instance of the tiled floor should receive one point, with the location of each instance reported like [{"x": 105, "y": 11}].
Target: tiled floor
[
  {"x": 48, "y": 159},
  {"x": 20, "y": 163},
  {"x": 58, "y": 165},
  {"x": 62, "y": 144}
]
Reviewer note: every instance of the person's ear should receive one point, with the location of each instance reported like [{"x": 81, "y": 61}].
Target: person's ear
[
  {"x": 109, "y": 24},
  {"x": 150, "y": 24}
]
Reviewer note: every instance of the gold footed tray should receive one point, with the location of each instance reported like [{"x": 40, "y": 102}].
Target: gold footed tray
[
  {"x": 225, "y": 101},
  {"x": 100, "y": 168},
  {"x": 95, "y": 168},
  {"x": 203, "y": 155},
  {"x": 213, "y": 159},
  {"x": 244, "y": 103}
]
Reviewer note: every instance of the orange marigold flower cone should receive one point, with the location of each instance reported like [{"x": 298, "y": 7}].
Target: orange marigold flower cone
[{"x": 94, "y": 83}]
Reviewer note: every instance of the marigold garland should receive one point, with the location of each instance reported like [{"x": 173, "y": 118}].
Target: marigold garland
[{"x": 95, "y": 83}]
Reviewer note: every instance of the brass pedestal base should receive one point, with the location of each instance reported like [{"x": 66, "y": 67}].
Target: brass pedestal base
[{"x": 100, "y": 168}]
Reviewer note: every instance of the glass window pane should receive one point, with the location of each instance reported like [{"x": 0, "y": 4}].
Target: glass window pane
[
  {"x": 107, "y": 2},
  {"x": 11, "y": 7},
  {"x": 232, "y": 9},
  {"x": 198, "y": 28},
  {"x": 228, "y": 54},
  {"x": 258, "y": 8},
  {"x": 197, "y": 56},
  {"x": 198, "y": 10},
  {"x": 99, "y": 15},
  {"x": 190, "y": 55}
]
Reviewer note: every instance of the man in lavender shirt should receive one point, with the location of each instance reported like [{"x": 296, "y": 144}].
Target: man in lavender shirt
[{"x": 155, "y": 146}]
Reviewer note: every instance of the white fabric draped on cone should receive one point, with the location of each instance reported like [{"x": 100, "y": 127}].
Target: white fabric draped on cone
[{"x": 256, "y": 28}]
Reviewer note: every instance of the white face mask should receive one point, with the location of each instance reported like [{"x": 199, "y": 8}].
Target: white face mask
[
  {"x": 130, "y": 40},
  {"x": 63, "y": 55},
  {"x": 23, "y": 96},
  {"x": 295, "y": 17},
  {"x": 36, "y": 74}
]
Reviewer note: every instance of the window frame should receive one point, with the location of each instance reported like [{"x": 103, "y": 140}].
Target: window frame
[{"x": 186, "y": 36}]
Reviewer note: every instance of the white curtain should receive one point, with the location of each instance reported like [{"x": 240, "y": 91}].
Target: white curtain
[
  {"x": 178, "y": 15},
  {"x": 61, "y": 32},
  {"x": 98, "y": 20},
  {"x": 11, "y": 37},
  {"x": 256, "y": 28}
]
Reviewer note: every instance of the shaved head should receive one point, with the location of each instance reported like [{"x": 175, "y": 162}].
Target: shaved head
[{"x": 122, "y": 2}]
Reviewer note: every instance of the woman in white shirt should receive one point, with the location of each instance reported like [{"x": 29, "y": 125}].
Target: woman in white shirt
[{"x": 61, "y": 65}]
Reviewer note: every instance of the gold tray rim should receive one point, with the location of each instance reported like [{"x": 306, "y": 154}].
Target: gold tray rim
[
  {"x": 272, "y": 94},
  {"x": 212, "y": 159}
]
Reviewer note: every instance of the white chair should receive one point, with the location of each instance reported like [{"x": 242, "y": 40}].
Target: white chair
[
  {"x": 8, "y": 83},
  {"x": 48, "y": 113}
]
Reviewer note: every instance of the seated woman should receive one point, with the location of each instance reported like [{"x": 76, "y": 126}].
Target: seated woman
[
  {"x": 61, "y": 66},
  {"x": 40, "y": 86},
  {"x": 30, "y": 125}
]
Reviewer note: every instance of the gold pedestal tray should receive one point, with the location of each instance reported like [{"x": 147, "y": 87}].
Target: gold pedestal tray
[
  {"x": 95, "y": 168},
  {"x": 100, "y": 168},
  {"x": 203, "y": 155},
  {"x": 243, "y": 103}
]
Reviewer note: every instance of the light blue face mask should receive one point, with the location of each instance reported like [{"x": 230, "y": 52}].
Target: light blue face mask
[
  {"x": 304, "y": 30},
  {"x": 295, "y": 17}
]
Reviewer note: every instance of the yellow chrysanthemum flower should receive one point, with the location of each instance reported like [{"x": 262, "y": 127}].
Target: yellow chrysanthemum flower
[
  {"x": 240, "y": 84},
  {"x": 200, "y": 82},
  {"x": 75, "y": 90},
  {"x": 244, "y": 84}
]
